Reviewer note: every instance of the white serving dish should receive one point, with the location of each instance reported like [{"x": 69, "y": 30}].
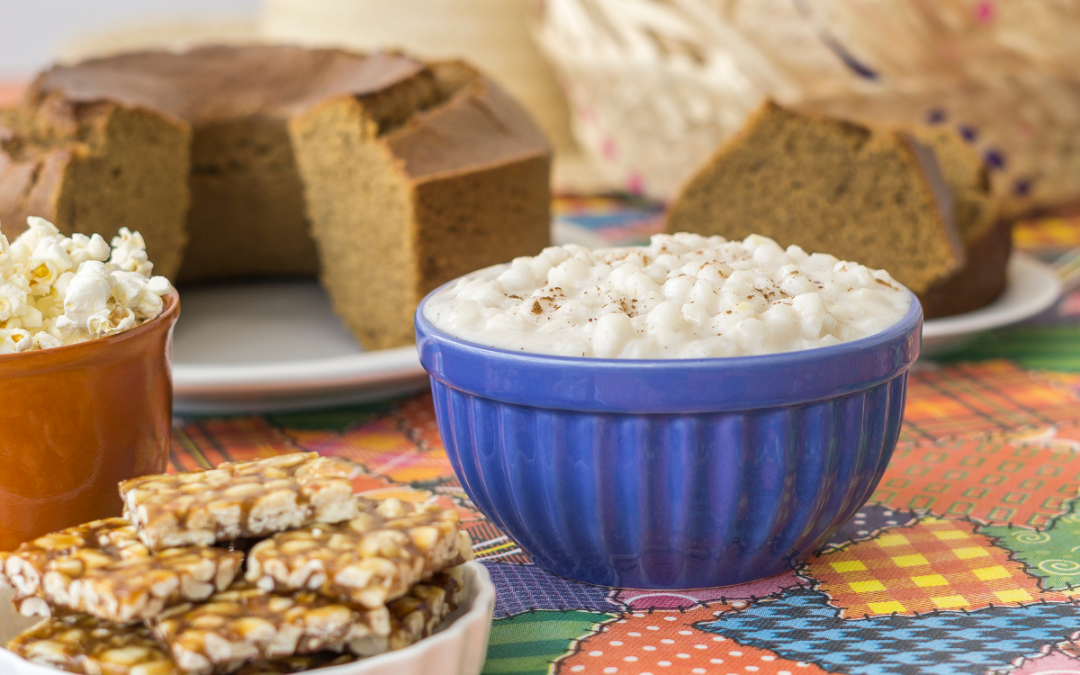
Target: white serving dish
[
  {"x": 1032, "y": 288},
  {"x": 258, "y": 347},
  {"x": 458, "y": 647},
  {"x": 277, "y": 345},
  {"x": 232, "y": 355}
]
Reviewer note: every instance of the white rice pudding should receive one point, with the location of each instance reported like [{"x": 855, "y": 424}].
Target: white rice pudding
[{"x": 683, "y": 296}]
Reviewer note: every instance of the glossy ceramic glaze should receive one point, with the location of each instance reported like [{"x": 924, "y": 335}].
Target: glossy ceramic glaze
[
  {"x": 77, "y": 420},
  {"x": 670, "y": 474}
]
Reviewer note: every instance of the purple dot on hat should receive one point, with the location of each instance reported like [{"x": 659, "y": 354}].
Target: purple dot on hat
[
  {"x": 935, "y": 116},
  {"x": 994, "y": 158},
  {"x": 1022, "y": 187},
  {"x": 968, "y": 133}
]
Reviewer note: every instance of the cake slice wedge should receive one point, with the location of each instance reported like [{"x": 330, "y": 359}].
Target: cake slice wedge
[
  {"x": 873, "y": 195},
  {"x": 434, "y": 176}
]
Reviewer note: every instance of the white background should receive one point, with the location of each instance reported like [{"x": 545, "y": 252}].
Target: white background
[{"x": 32, "y": 31}]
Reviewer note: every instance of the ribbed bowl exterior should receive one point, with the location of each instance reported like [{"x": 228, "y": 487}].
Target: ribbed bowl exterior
[{"x": 617, "y": 495}]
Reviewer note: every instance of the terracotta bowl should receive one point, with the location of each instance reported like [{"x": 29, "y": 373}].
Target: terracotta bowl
[{"x": 77, "y": 420}]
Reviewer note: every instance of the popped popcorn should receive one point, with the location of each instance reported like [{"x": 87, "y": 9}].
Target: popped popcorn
[
  {"x": 682, "y": 296},
  {"x": 57, "y": 290}
]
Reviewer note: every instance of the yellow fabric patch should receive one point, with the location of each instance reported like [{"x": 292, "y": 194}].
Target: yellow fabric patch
[
  {"x": 886, "y": 607},
  {"x": 909, "y": 560},
  {"x": 971, "y": 552},
  {"x": 946, "y": 535},
  {"x": 848, "y": 566},
  {"x": 950, "y": 601},
  {"x": 892, "y": 540},
  {"x": 867, "y": 586},
  {"x": 1015, "y": 595},
  {"x": 991, "y": 573},
  {"x": 928, "y": 580}
]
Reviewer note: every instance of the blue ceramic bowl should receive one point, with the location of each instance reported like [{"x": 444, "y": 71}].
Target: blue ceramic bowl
[{"x": 670, "y": 474}]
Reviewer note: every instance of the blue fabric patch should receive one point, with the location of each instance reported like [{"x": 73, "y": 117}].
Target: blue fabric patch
[
  {"x": 801, "y": 626},
  {"x": 524, "y": 588}
]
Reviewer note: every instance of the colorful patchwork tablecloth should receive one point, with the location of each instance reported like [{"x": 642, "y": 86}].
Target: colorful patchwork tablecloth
[{"x": 966, "y": 559}]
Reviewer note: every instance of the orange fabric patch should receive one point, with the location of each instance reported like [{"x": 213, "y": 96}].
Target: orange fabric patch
[
  {"x": 206, "y": 443},
  {"x": 970, "y": 399},
  {"x": 667, "y": 642},
  {"x": 990, "y": 480},
  {"x": 384, "y": 450}
]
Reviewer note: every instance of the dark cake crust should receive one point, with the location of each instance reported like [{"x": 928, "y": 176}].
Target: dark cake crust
[{"x": 978, "y": 283}]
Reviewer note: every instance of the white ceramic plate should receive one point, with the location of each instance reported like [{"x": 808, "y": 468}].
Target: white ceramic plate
[
  {"x": 261, "y": 347},
  {"x": 1032, "y": 288},
  {"x": 278, "y": 345},
  {"x": 457, "y": 648}
]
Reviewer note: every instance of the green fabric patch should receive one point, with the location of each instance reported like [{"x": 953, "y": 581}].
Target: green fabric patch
[
  {"x": 527, "y": 644},
  {"x": 1040, "y": 347},
  {"x": 1052, "y": 554}
]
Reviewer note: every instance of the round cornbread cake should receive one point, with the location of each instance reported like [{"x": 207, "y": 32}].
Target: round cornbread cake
[{"x": 385, "y": 175}]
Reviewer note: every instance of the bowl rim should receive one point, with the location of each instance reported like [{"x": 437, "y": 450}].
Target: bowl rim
[
  {"x": 913, "y": 317},
  {"x": 169, "y": 312},
  {"x": 645, "y": 385}
]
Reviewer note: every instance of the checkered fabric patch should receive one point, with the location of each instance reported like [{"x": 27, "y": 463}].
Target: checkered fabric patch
[
  {"x": 802, "y": 625},
  {"x": 932, "y": 565}
]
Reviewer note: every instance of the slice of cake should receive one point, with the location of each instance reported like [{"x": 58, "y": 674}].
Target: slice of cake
[
  {"x": 975, "y": 210},
  {"x": 987, "y": 237},
  {"x": 96, "y": 168},
  {"x": 859, "y": 193},
  {"x": 414, "y": 185}
]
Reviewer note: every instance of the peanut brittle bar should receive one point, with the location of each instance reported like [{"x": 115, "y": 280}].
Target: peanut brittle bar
[
  {"x": 214, "y": 637},
  {"x": 240, "y": 499},
  {"x": 103, "y": 568},
  {"x": 369, "y": 560},
  {"x": 43, "y": 569},
  {"x": 141, "y": 588},
  {"x": 246, "y": 624},
  {"x": 79, "y": 643},
  {"x": 417, "y": 614},
  {"x": 280, "y": 633}
]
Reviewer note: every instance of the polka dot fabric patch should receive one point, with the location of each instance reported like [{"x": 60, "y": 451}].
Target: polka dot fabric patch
[{"x": 668, "y": 642}]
